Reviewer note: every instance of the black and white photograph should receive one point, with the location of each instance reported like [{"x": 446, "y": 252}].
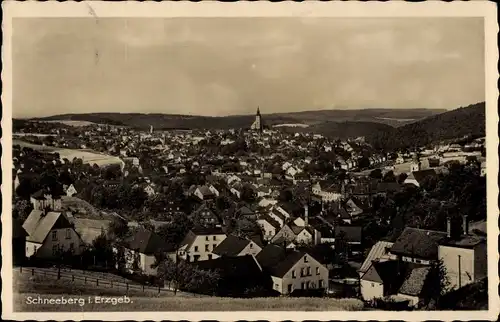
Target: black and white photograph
[{"x": 284, "y": 159}]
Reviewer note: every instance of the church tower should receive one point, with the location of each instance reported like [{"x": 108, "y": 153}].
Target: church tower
[{"x": 257, "y": 124}]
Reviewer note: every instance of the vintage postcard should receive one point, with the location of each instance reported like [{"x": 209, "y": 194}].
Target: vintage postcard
[{"x": 249, "y": 161}]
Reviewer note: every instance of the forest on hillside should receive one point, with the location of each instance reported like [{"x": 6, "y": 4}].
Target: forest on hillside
[{"x": 465, "y": 121}]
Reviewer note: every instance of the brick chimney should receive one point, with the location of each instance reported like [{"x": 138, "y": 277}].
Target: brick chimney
[{"x": 465, "y": 225}]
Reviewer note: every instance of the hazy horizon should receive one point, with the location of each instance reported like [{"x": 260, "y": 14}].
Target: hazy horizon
[{"x": 229, "y": 66}]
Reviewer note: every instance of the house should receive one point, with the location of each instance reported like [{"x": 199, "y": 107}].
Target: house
[
  {"x": 141, "y": 249},
  {"x": 380, "y": 252},
  {"x": 416, "y": 285},
  {"x": 418, "y": 245},
  {"x": 380, "y": 280},
  {"x": 205, "y": 216},
  {"x": 42, "y": 200},
  {"x": 90, "y": 229},
  {"x": 235, "y": 246},
  {"x": 199, "y": 243},
  {"x": 269, "y": 226},
  {"x": 278, "y": 216},
  {"x": 284, "y": 235},
  {"x": 464, "y": 257},
  {"x": 418, "y": 177},
  {"x": 292, "y": 270},
  {"x": 206, "y": 192},
  {"x": 49, "y": 233},
  {"x": 239, "y": 276},
  {"x": 352, "y": 235},
  {"x": 71, "y": 191}
]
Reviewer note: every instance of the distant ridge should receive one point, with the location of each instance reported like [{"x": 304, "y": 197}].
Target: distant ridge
[
  {"x": 464, "y": 121},
  {"x": 393, "y": 117}
]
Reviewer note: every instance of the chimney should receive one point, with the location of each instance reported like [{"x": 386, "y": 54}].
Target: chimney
[
  {"x": 465, "y": 225},
  {"x": 448, "y": 226},
  {"x": 306, "y": 215}
]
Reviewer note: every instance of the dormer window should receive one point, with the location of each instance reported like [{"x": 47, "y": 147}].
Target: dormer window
[
  {"x": 68, "y": 233},
  {"x": 54, "y": 235}
]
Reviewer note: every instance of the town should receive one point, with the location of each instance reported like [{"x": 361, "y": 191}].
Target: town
[{"x": 252, "y": 212}]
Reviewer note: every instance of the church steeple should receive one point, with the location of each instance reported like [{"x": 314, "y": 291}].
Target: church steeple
[{"x": 257, "y": 124}]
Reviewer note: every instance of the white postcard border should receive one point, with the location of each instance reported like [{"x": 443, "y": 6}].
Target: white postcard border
[{"x": 96, "y": 9}]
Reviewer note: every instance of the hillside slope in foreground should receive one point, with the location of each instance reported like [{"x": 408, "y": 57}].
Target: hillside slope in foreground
[{"x": 29, "y": 288}]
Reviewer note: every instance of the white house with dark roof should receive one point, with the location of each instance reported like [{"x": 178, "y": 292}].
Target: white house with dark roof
[
  {"x": 236, "y": 246},
  {"x": 49, "y": 230},
  {"x": 141, "y": 249},
  {"x": 269, "y": 226},
  {"x": 292, "y": 270},
  {"x": 199, "y": 244}
]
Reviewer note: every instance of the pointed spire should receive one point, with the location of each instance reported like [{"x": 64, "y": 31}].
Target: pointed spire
[{"x": 258, "y": 110}]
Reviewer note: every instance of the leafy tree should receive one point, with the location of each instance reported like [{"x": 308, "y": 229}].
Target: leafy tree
[
  {"x": 22, "y": 208},
  {"x": 389, "y": 177}
]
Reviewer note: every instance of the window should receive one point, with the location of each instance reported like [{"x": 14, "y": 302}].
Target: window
[
  {"x": 195, "y": 248},
  {"x": 302, "y": 285},
  {"x": 302, "y": 271},
  {"x": 207, "y": 248},
  {"x": 54, "y": 250},
  {"x": 293, "y": 274},
  {"x": 289, "y": 288},
  {"x": 251, "y": 245},
  {"x": 206, "y": 238},
  {"x": 320, "y": 284},
  {"x": 209, "y": 256},
  {"x": 317, "y": 270},
  {"x": 196, "y": 257},
  {"x": 305, "y": 259},
  {"x": 68, "y": 233},
  {"x": 308, "y": 270},
  {"x": 54, "y": 235},
  {"x": 276, "y": 286},
  {"x": 72, "y": 246},
  {"x": 215, "y": 237}
]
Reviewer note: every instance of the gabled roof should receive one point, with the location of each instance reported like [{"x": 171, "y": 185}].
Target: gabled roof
[
  {"x": 415, "y": 282},
  {"x": 232, "y": 267},
  {"x": 38, "y": 225},
  {"x": 420, "y": 243},
  {"x": 291, "y": 258},
  {"x": 147, "y": 242},
  {"x": 381, "y": 272},
  {"x": 231, "y": 246},
  {"x": 202, "y": 231},
  {"x": 420, "y": 176},
  {"x": 377, "y": 252},
  {"x": 270, "y": 256}
]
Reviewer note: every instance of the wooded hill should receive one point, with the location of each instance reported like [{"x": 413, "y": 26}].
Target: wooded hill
[{"x": 464, "y": 121}]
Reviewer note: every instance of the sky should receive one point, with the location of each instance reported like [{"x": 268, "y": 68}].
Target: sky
[{"x": 227, "y": 66}]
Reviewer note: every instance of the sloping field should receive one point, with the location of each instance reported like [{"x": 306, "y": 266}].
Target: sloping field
[
  {"x": 88, "y": 156},
  {"x": 72, "y": 123},
  {"x": 32, "y": 288}
]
